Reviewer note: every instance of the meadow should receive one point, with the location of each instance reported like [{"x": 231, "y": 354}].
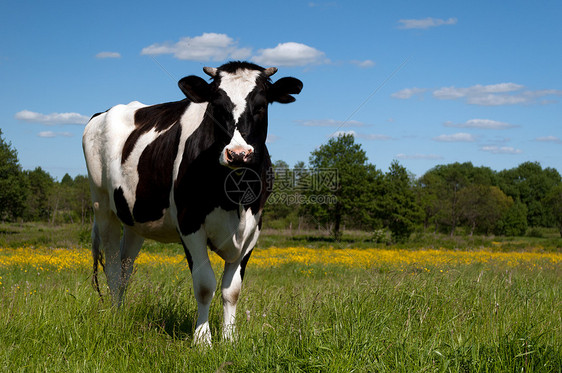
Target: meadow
[{"x": 315, "y": 306}]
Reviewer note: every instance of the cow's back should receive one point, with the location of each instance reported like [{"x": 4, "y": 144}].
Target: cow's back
[
  {"x": 133, "y": 153},
  {"x": 130, "y": 170},
  {"x": 103, "y": 141}
]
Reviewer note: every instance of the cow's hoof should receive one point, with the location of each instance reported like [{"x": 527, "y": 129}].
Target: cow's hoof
[{"x": 202, "y": 336}]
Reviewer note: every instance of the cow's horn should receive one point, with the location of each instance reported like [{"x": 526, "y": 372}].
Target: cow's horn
[
  {"x": 211, "y": 71},
  {"x": 270, "y": 71}
]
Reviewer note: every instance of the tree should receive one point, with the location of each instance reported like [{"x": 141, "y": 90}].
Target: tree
[
  {"x": 67, "y": 181},
  {"x": 530, "y": 184},
  {"x": 82, "y": 200},
  {"x": 446, "y": 182},
  {"x": 280, "y": 208},
  {"x": 453, "y": 178},
  {"x": 340, "y": 169},
  {"x": 429, "y": 189},
  {"x": 398, "y": 206},
  {"x": 482, "y": 207},
  {"x": 40, "y": 188},
  {"x": 13, "y": 184},
  {"x": 554, "y": 202},
  {"x": 514, "y": 221},
  {"x": 61, "y": 201}
]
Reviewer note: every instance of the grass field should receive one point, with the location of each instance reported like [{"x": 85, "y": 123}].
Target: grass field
[{"x": 314, "y": 308}]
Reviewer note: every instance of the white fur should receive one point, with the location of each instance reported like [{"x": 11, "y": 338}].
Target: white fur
[
  {"x": 190, "y": 121},
  {"x": 103, "y": 140},
  {"x": 204, "y": 283},
  {"x": 230, "y": 234},
  {"x": 237, "y": 141},
  {"x": 233, "y": 237},
  {"x": 237, "y": 86}
]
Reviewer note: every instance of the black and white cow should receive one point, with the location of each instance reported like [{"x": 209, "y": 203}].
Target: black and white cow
[{"x": 163, "y": 172}]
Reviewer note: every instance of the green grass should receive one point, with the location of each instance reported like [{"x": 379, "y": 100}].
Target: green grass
[
  {"x": 292, "y": 318},
  {"x": 74, "y": 235},
  {"x": 550, "y": 240},
  {"x": 43, "y": 234}
]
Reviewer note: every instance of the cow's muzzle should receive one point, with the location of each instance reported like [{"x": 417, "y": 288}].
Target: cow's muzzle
[{"x": 238, "y": 157}]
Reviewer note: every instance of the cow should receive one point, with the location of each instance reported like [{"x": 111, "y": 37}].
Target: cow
[{"x": 194, "y": 171}]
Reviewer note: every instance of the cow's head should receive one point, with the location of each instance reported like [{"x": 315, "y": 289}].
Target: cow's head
[{"x": 238, "y": 97}]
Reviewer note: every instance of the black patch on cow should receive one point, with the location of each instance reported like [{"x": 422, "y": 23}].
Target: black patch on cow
[
  {"x": 123, "y": 212},
  {"x": 211, "y": 245},
  {"x": 193, "y": 189},
  {"x": 188, "y": 257},
  {"x": 233, "y": 66},
  {"x": 198, "y": 190},
  {"x": 155, "y": 169},
  {"x": 96, "y": 114},
  {"x": 158, "y": 117},
  {"x": 243, "y": 264},
  {"x": 199, "y": 187},
  {"x": 267, "y": 178}
]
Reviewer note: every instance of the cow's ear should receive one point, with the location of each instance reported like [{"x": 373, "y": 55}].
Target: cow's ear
[
  {"x": 282, "y": 90},
  {"x": 195, "y": 88}
]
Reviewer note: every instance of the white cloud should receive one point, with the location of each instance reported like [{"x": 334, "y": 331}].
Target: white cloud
[
  {"x": 51, "y": 134},
  {"x": 425, "y": 23},
  {"x": 341, "y": 133},
  {"x": 51, "y": 119},
  {"x": 500, "y": 149},
  {"x": 363, "y": 64},
  {"x": 419, "y": 156},
  {"x": 206, "y": 47},
  {"x": 290, "y": 54},
  {"x": 452, "y": 93},
  {"x": 481, "y": 124},
  {"x": 457, "y": 137},
  {"x": 329, "y": 123},
  {"x": 494, "y": 94},
  {"x": 553, "y": 139},
  {"x": 108, "y": 55},
  {"x": 47, "y": 134},
  {"x": 496, "y": 100},
  {"x": 408, "y": 93},
  {"x": 217, "y": 47}
]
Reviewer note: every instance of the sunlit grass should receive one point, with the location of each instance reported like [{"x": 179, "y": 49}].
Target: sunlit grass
[
  {"x": 301, "y": 309},
  {"x": 59, "y": 258}
]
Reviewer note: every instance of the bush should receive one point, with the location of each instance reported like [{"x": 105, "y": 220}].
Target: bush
[
  {"x": 535, "y": 232},
  {"x": 378, "y": 236},
  {"x": 514, "y": 221}
]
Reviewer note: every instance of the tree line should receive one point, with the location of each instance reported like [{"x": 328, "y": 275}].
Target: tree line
[
  {"x": 36, "y": 196},
  {"x": 338, "y": 188},
  {"x": 444, "y": 199}
]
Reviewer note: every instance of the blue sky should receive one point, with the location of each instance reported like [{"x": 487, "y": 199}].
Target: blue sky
[{"x": 425, "y": 83}]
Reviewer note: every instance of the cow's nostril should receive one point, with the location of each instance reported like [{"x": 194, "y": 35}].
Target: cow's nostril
[
  {"x": 233, "y": 156},
  {"x": 229, "y": 155}
]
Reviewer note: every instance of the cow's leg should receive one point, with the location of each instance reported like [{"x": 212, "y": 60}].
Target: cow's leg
[
  {"x": 96, "y": 256},
  {"x": 109, "y": 233},
  {"x": 204, "y": 282},
  {"x": 131, "y": 244},
  {"x": 230, "y": 287}
]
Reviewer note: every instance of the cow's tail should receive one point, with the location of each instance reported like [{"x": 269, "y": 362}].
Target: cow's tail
[{"x": 97, "y": 255}]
